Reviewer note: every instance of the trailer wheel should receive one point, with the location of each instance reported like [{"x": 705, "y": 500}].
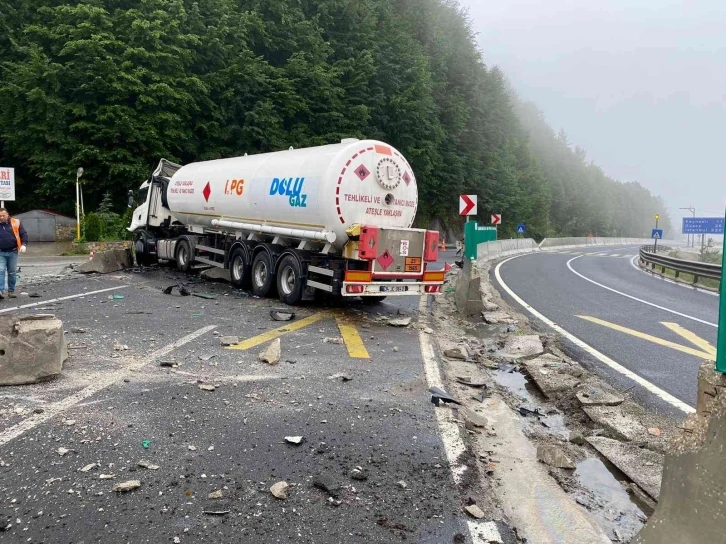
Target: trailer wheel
[
  {"x": 183, "y": 255},
  {"x": 373, "y": 300},
  {"x": 289, "y": 281},
  {"x": 263, "y": 278},
  {"x": 239, "y": 269}
]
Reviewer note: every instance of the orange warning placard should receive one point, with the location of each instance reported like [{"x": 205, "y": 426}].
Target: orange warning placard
[{"x": 413, "y": 264}]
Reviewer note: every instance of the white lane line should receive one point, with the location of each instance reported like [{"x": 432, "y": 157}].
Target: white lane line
[
  {"x": 481, "y": 532},
  {"x": 100, "y": 383},
  {"x": 658, "y": 392},
  {"x": 569, "y": 265},
  {"x": 51, "y": 301},
  {"x": 663, "y": 278}
]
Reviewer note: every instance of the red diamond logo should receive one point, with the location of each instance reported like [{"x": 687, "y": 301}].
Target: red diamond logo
[
  {"x": 385, "y": 260},
  {"x": 207, "y": 191},
  {"x": 406, "y": 178},
  {"x": 362, "y": 172}
]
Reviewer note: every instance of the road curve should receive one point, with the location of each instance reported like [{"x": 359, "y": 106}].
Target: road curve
[{"x": 640, "y": 332}]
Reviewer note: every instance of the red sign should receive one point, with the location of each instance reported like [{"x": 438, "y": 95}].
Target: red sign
[
  {"x": 496, "y": 218},
  {"x": 467, "y": 205}
]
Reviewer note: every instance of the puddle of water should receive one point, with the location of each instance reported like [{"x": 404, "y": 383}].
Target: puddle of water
[
  {"x": 514, "y": 381},
  {"x": 556, "y": 425},
  {"x": 607, "y": 499}
]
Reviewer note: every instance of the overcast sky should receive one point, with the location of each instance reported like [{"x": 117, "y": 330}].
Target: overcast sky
[{"x": 640, "y": 84}]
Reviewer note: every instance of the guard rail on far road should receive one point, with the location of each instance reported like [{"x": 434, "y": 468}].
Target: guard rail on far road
[{"x": 651, "y": 259}]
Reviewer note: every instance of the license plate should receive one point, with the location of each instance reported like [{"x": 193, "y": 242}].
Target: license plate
[{"x": 394, "y": 289}]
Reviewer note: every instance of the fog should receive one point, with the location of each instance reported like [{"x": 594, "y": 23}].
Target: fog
[{"x": 641, "y": 85}]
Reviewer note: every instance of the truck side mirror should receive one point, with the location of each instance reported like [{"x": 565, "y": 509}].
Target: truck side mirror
[{"x": 131, "y": 199}]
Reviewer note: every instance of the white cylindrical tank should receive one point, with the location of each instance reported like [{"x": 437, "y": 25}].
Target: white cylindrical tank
[{"x": 323, "y": 189}]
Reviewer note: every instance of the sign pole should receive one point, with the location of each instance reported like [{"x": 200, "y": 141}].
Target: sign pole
[
  {"x": 655, "y": 241},
  {"x": 721, "y": 340}
]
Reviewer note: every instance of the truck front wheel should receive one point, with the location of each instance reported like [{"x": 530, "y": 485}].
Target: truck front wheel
[
  {"x": 239, "y": 269},
  {"x": 183, "y": 255},
  {"x": 262, "y": 277},
  {"x": 289, "y": 281}
]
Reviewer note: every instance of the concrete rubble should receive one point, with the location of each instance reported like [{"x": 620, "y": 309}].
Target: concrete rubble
[
  {"x": 641, "y": 465},
  {"x": 553, "y": 376},
  {"x": 498, "y": 318},
  {"x": 554, "y": 457},
  {"x": 516, "y": 347},
  {"x": 271, "y": 355},
  {"x": 32, "y": 348},
  {"x": 595, "y": 396},
  {"x": 215, "y": 274},
  {"x": 617, "y": 422},
  {"x": 105, "y": 262}
]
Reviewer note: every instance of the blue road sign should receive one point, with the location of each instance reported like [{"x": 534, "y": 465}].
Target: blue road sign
[
  {"x": 703, "y": 225},
  {"x": 521, "y": 229},
  {"x": 657, "y": 234}
]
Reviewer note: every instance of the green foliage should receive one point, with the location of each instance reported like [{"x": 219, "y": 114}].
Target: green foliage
[
  {"x": 76, "y": 249},
  {"x": 113, "y": 86},
  {"x": 92, "y": 227}
]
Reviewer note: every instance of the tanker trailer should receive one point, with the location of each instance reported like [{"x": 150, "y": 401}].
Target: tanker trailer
[{"x": 333, "y": 219}]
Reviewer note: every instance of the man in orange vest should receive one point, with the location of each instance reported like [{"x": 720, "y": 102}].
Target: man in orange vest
[{"x": 13, "y": 239}]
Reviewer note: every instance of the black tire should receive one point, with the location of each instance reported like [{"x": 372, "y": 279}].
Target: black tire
[
  {"x": 373, "y": 300},
  {"x": 142, "y": 248},
  {"x": 183, "y": 255},
  {"x": 289, "y": 281},
  {"x": 239, "y": 269},
  {"x": 262, "y": 276}
]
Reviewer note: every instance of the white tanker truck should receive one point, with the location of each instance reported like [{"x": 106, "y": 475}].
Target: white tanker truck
[{"x": 333, "y": 219}]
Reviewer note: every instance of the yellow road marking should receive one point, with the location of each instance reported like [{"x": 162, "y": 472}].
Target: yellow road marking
[
  {"x": 643, "y": 336},
  {"x": 353, "y": 341},
  {"x": 276, "y": 333},
  {"x": 692, "y": 338}
]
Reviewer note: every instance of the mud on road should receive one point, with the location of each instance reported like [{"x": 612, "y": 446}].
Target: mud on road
[{"x": 131, "y": 393}]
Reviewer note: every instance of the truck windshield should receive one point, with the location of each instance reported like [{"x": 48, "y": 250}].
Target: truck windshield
[{"x": 142, "y": 194}]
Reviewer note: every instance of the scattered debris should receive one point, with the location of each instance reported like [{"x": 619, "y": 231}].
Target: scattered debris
[
  {"x": 169, "y": 364},
  {"x": 297, "y": 440},
  {"x": 282, "y": 315},
  {"x": 498, "y": 318},
  {"x": 216, "y": 512},
  {"x": 456, "y": 353},
  {"x": 271, "y": 355},
  {"x": 206, "y": 387},
  {"x": 229, "y": 340},
  {"x": 146, "y": 444},
  {"x": 78, "y": 330},
  {"x": 207, "y": 357},
  {"x": 617, "y": 422},
  {"x": 337, "y": 340},
  {"x": 340, "y": 376},
  {"x": 554, "y": 457},
  {"x": 327, "y": 483},
  {"x": 89, "y": 467},
  {"x": 207, "y": 296},
  {"x": 527, "y": 412},
  {"x": 106, "y": 476},
  {"x": 439, "y": 395},
  {"x": 130, "y": 485},
  {"x": 473, "y": 419},
  {"x": 34, "y": 295},
  {"x": 400, "y": 322},
  {"x": 147, "y": 465},
  {"x": 62, "y": 451},
  {"x": 402, "y": 484},
  {"x": 69, "y": 422},
  {"x": 527, "y": 345},
  {"x": 655, "y": 431},
  {"x": 593, "y": 396},
  {"x": 192, "y": 448},
  {"x": 116, "y": 296},
  {"x": 474, "y": 511},
  {"x": 279, "y": 490},
  {"x": 215, "y": 495},
  {"x": 359, "y": 474},
  {"x": 467, "y": 380}
]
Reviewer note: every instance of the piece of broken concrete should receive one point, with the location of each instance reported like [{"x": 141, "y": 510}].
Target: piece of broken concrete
[
  {"x": 206, "y": 387},
  {"x": 105, "y": 262},
  {"x": 554, "y": 457},
  {"x": 595, "y": 396},
  {"x": 621, "y": 425},
  {"x": 458, "y": 353},
  {"x": 474, "y": 511},
  {"x": 473, "y": 418},
  {"x": 400, "y": 322},
  {"x": 527, "y": 345},
  {"x": 279, "y": 490},
  {"x": 297, "y": 440},
  {"x": 641, "y": 465},
  {"x": 335, "y": 340},
  {"x": 215, "y": 495},
  {"x": 271, "y": 355},
  {"x": 33, "y": 348},
  {"x": 359, "y": 473},
  {"x": 498, "y": 318},
  {"x": 147, "y": 465},
  {"x": 551, "y": 375},
  {"x": 129, "y": 485},
  {"x": 229, "y": 340},
  {"x": 327, "y": 483}
]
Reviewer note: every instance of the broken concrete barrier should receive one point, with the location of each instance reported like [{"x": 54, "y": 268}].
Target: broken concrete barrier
[
  {"x": 32, "y": 348},
  {"x": 468, "y": 290},
  {"x": 693, "y": 489},
  {"x": 105, "y": 262}
]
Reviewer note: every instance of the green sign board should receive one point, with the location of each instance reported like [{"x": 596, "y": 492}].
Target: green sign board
[{"x": 474, "y": 235}]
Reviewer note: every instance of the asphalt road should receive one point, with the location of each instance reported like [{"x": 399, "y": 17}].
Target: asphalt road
[
  {"x": 110, "y": 399},
  {"x": 630, "y": 330}
]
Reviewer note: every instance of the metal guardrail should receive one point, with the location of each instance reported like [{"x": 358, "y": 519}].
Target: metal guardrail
[{"x": 651, "y": 259}]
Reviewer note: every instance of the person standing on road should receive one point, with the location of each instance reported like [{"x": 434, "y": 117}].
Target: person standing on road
[{"x": 13, "y": 239}]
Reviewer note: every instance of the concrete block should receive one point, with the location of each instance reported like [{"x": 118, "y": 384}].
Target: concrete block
[
  {"x": 693, "y": 489},
  {"x": 551, "y": 375},
  {"x": 621, "y": 425},
  {"x": 641, "y": 465},
  {"x": 522, "y": 346},
  {"x": 468, "y": 290},
  {"x": 32, "y": 349},
  {"x": 554, "y": 457},
  {"x": 105, "y": 262},
  {"x": 496, "y": 318},
  {"x": 594, "y": 396},
  {"x": 215, "y": 274}
]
